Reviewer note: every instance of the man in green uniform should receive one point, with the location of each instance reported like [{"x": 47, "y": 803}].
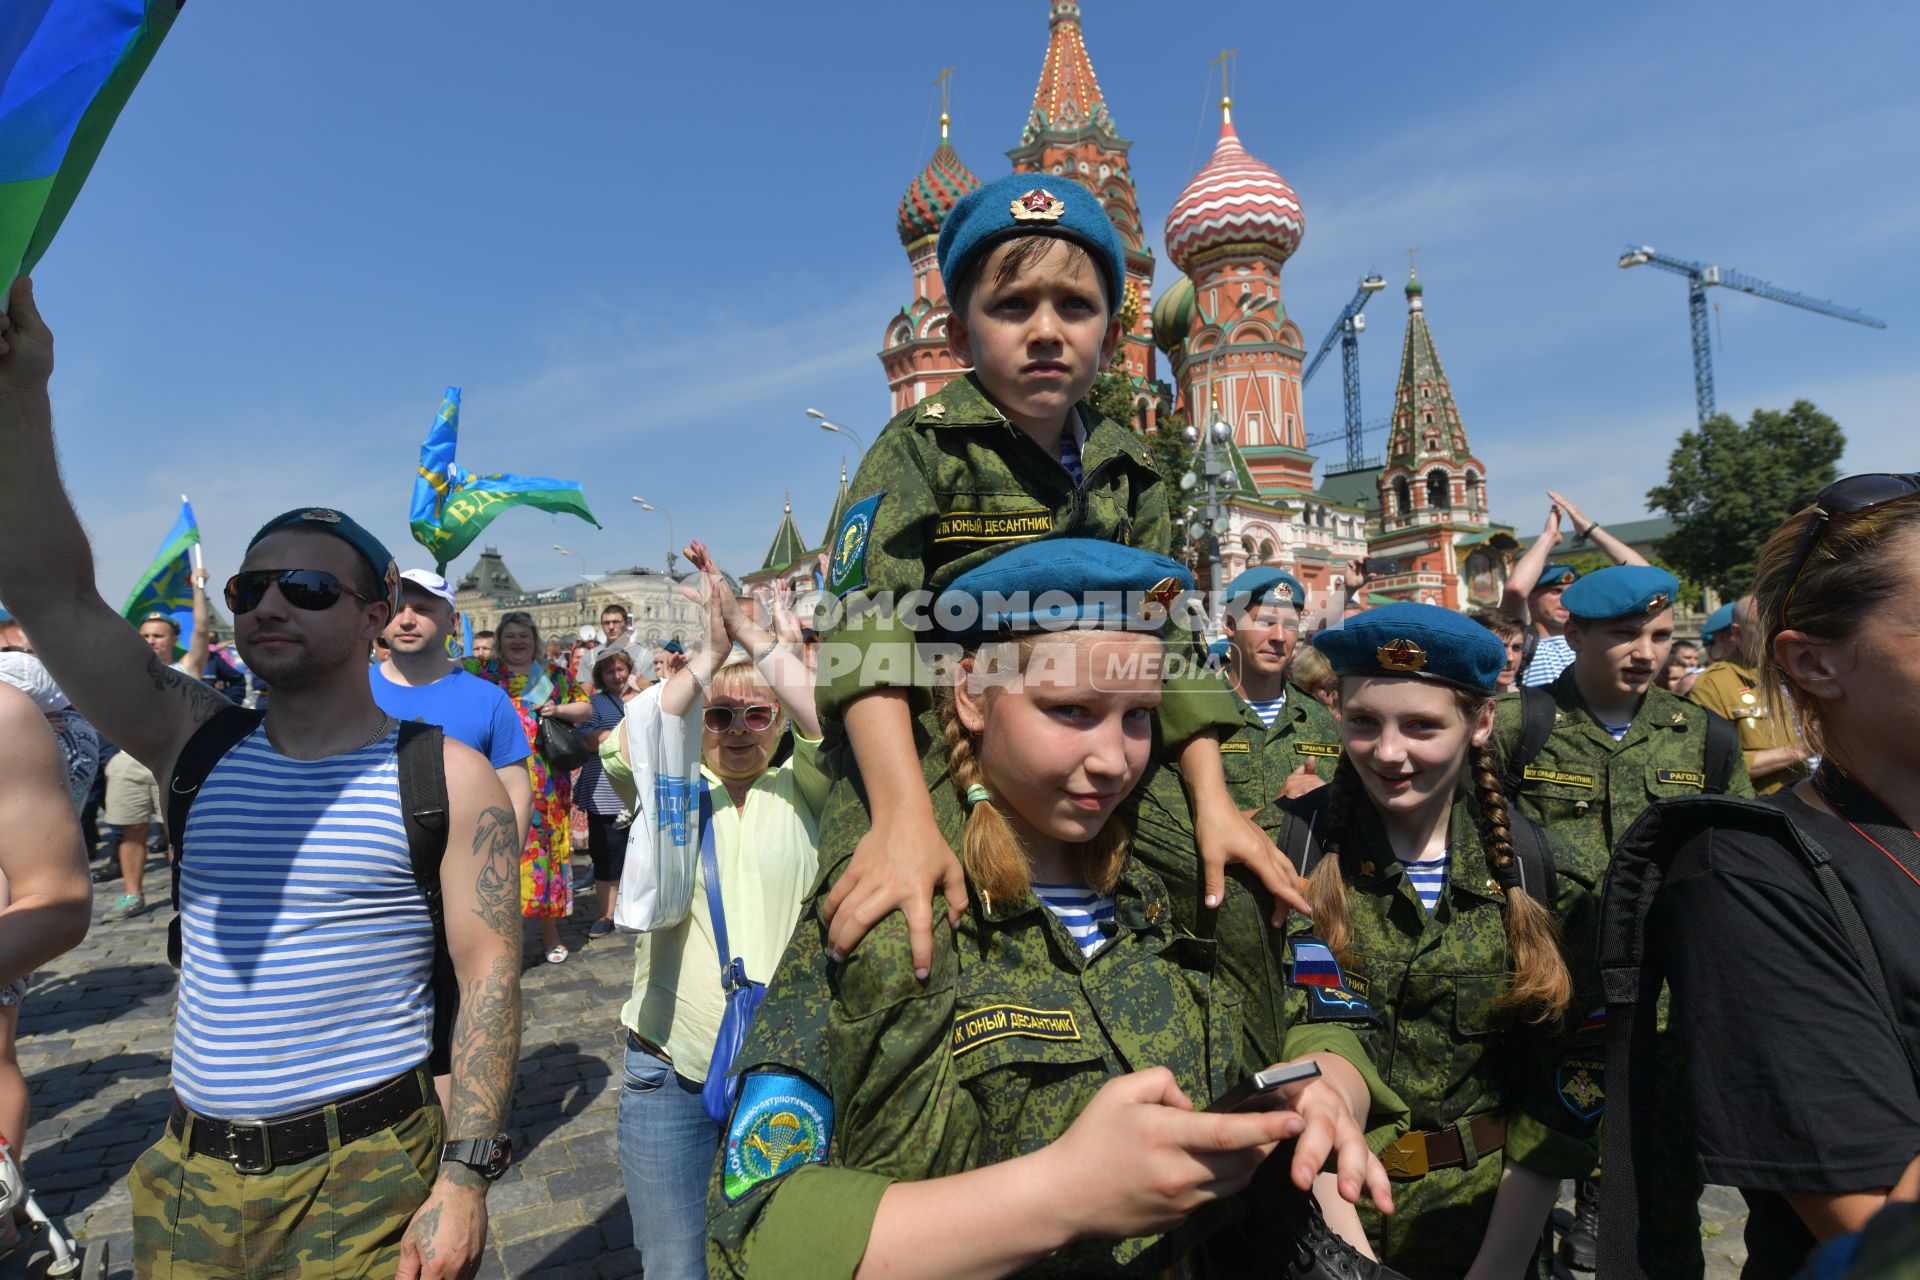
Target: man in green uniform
[
  {"x": 1730, "y": 687},
  {"x": 1617, "y": 742}
]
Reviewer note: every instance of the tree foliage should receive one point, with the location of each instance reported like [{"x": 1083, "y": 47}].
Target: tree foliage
[
  {"x": 1729, "y": 487},
  {"x": 1114, "y": 396}
]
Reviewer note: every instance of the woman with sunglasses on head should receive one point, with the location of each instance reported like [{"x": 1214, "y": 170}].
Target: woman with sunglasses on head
[
  {"x": 764, "y": 823},
  {"x": 1805, "y": 1092},
  {"x": 540, "y": 690},
  {"x": 1449, "y": 917}
]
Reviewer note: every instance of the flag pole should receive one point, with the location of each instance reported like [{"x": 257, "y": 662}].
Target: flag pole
[{"x": 194, "y": 556}]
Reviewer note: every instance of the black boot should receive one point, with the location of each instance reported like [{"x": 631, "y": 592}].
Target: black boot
[
  {"x": 1581, "y": 1248},
  {"x": 1319, "y": 1254}
]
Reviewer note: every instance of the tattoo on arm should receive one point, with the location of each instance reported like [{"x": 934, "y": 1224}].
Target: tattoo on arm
[
  {"x": 486, "y": 1035},
  {"x": 201, "y": 701},
  {"x": 496, "y": 842}
]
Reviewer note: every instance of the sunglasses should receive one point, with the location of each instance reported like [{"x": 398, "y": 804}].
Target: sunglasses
[
  {"x": 757, "y": 718},
  {"x": 309, "y": 589},
  {"x": 1845, "y": 497}
]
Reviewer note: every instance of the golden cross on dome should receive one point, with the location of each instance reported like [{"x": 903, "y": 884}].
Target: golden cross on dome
[
  {"x": 940, "y": 83},
  {"x": 1413, "y": 268},
  {"x": 1223, "y": 61}
]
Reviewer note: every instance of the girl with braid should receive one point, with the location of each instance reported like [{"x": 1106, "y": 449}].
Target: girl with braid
[
  {"x": 1034, "y": 1105},
  {"x": 1448, "y": 917}
]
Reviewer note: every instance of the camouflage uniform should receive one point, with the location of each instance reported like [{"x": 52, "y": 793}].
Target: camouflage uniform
[
  {"x": 1448, "y": 1050},
  {"x": 991, "y": 1058},
  {"x": 340, "y": 1214},
  {"x": 1586, "y": 790},
  {"x": 1731, "y": 690}
]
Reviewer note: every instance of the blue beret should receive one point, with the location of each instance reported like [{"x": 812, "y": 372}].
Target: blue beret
[
  {"x": 345, "y": 528},
  {"x": 1421, "y": 641},
  {"x": 1255, "y": 586},
  {"x": 1054, "y": 584},
  {"x": 1621, "y": 591},
  {"x": 673, "y": 646},
  {"x": 1717, "y": 621},
  {"x": 1555, "y": 574},
  {"x": 1023, "y": 204}
]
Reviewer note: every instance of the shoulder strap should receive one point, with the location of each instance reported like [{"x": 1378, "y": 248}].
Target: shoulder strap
[
  {"x": 1533, "y": 855},
  {"x": 423, "y": 806},
  {"x": 1723, "y": 751},
  {"x": 1536, "y": 726},
  {"x": 710, "y": 872},
  {"x": 212, "y": 740},
  {"x": 1303, "y": 815}
]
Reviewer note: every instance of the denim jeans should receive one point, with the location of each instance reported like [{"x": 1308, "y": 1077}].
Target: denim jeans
[{"x": 667, "y": 1148}]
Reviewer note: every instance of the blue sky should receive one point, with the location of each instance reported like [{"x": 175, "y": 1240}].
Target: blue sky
[{"x": 644, "y": 238}]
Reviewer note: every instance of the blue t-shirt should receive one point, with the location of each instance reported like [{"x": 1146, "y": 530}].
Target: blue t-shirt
[{"x": 467, "y": 707}]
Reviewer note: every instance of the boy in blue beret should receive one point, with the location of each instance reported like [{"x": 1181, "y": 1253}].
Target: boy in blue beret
[
  {"x": 1587, "y": 755},
  {"x": 1714, "y": 629},
  {"x": 1033, "y": 270}
]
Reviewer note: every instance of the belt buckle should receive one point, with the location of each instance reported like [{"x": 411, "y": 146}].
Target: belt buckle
[
  {"x": 233, "y": 1153},
  {"x": 1407, "y": 1157}
]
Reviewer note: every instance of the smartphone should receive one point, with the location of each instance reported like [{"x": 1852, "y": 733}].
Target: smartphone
[{"x": 1261, "y": 1083}]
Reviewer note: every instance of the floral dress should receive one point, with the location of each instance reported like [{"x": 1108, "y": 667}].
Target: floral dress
[{"x": 546, "y": 877}]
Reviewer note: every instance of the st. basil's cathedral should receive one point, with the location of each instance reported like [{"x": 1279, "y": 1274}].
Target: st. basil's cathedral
[{"x": 1231, "y": 350}]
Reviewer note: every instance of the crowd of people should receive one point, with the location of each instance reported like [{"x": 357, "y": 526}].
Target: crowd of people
[{"x": 986, "y": 923}]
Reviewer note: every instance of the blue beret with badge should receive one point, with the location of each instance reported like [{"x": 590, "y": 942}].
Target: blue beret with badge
[
  {"x": 1024, "y": 204},
  {"x": 1717, "y": 621},
  {"x": 1257, "y": 586},
  {"x": 1621, "y": 591},
  {"x": 1555, "y": 575},
  {"x": 1420, "y": 641},
  {"x": 1060, "y": 584},
  {"x": 348, "y": 530}
]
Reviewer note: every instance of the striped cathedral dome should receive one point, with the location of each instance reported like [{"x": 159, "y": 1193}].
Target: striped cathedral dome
[
  {"x": 1234, "y": 199},
  {"x": 932, "y": 194}
]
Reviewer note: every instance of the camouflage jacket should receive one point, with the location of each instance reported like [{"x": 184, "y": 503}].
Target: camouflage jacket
[
  {"x": 947, "y": 485},
  {"x": 1444, "y": 1045},
  {"x": 1586, "y": 789},
  {"x": 1258, "y": 758}
]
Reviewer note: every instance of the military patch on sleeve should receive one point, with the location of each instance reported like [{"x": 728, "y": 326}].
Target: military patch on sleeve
[
  {"x": 1538, "y": 773},
  {"x": 1330, "y": 997},
  {"x": 847, "y": 567},
  {"x": 781, "y": 1122},
  {"x": 1331, "y": 750},
  {"x": 998, "y": 1021},
  {"x": 1680, "y": 777},
  {"x": 1582, "y": 1084}
]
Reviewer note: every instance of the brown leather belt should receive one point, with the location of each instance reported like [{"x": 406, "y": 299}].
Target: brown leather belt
[
  {"x": 637, "y": 1041},
  {"x": 1424, "y": 1149},
  {"x": 258, "y": 1146}
]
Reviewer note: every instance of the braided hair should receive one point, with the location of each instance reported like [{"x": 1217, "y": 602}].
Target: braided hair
[
  {"x": 1540, "y": 986},
  {"x": 992, "y": 852}
]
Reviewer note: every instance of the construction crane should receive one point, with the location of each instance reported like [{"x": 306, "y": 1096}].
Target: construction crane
[
  {"x": 1700, "y": 278},
  {"x": 1347, "y": 329}
]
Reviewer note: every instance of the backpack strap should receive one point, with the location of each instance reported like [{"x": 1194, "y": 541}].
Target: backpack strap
[
  {"x": 1536, "y": 726},
  {"x": 1723, "y": 751},
  {"x": 1303, "y": 815},
  {"x": 212, "y": 740},
  {"x": 423, "y": 809},
  {"x": 1533, "y": 858}
]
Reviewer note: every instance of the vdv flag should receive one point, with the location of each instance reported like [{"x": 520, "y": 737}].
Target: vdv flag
[
  {"x": 452, "y": 506},
  {"x": 167, "y": 586},
  {"x": 67, "y": 67}
]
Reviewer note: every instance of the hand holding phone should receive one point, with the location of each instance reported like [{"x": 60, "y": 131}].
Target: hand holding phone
[{"x": 1258, "y": 1087}]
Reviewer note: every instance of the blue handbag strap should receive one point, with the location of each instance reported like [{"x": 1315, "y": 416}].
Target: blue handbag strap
[{"x": 710, "y": 869}]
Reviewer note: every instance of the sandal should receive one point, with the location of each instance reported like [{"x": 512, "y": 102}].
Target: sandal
[{"x": 559, "y": 954}]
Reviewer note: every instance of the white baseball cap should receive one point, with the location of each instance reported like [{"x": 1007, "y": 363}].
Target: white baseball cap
[{"x": 431, "y": 583}]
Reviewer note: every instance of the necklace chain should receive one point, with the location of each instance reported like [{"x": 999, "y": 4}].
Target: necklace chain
[{"x": 379, "y": 732}]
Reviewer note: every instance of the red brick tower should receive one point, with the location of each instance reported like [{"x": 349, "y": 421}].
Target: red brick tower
[
  {"x": 1070, "y": 132},
  {"x": 915, "y": 356},
  {"x": 1224, "y": 327}
]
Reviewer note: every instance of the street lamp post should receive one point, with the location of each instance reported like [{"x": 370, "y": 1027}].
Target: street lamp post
[
  {"x": 1204, "y": 484},
  {"x": 583, "y": 578},
  {"x": 828, "y": 424},
  {"x": 672, "y": 541}
]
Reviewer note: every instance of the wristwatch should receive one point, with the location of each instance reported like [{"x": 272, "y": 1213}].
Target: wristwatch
[{"x": 488, "y": 1157}]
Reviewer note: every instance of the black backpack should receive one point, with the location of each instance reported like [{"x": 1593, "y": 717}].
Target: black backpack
[
  {"x": 1632, "y": 971},
  {"x": 1532, "y": 855},
  {"x": 1536, "y": 726},
  {"x": 423, "y": 807}
]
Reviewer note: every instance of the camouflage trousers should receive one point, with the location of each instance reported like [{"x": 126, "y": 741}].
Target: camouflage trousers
[{"x": 339, "y": 1214}]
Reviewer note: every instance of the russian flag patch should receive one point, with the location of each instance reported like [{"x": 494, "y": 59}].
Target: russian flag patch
[{"x": 1329, "y": 996}]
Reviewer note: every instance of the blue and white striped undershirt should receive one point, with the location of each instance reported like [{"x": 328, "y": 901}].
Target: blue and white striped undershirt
[
  {"x": 306, "y": 949},
  {"x": 1081, "y": 910},
  {"x": 1428, "y": 878},
  {"x": 1270, "y": 710}
]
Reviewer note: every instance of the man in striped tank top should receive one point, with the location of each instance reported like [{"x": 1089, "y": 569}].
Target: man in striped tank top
[{"x": 305, "y": 1138}]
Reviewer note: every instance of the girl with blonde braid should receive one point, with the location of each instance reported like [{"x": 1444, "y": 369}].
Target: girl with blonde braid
[{"x": 1448, "y": 916}]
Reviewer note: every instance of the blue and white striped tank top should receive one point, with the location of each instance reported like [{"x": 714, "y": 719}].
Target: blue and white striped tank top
[
  {"x": 307, "y": 955},
  {"x": 1087, "y": 915}
]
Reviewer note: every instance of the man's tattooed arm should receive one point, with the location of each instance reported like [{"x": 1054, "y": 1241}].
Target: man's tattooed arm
[{"x": 486, "y": 1036}]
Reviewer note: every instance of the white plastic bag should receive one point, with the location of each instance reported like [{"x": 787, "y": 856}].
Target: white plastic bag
[{"x": 663, "y": 844}]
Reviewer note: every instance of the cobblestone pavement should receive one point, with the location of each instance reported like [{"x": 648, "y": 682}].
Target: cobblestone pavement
[{"x": 96, "y": 1032}]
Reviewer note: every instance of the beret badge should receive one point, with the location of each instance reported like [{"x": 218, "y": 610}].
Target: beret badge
[
  {"x": 322, "y": 515},
  {"x": 1658, "y": 602},
  {"x": 1038, "y": 205},
  {"x": 1159, "y": 597},
  {"x": 1402, "y": 655}
]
